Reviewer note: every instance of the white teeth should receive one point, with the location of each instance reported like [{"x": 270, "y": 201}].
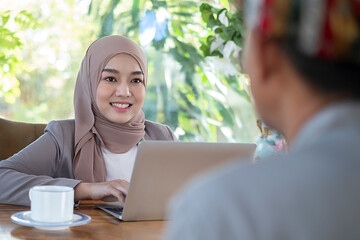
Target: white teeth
[{"x": 120, "y": 105}]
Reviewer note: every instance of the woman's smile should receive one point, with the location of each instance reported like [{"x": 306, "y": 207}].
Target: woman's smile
[{"x": 121, "y": 107}]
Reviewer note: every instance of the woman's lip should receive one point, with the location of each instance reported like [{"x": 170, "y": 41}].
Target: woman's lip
[{"x": 121, "y": 107}]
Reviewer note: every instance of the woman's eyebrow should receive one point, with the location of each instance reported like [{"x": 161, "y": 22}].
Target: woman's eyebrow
[
  {"x": 116, "y": 71},
  {"x": 110, "y": 70},
  {"x": 137, "y": 73}
]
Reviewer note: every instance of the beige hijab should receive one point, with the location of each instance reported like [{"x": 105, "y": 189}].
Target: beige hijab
[{"x": 92, "y": 129}]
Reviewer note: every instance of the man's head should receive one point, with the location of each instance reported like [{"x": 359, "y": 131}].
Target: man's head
[{"x": 301, "y": 52}]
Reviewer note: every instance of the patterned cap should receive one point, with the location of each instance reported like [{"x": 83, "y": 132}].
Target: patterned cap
[{"x": 328, "y": 29}]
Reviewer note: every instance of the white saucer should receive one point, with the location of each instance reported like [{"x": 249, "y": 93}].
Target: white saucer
[{"x": 24, "y": 218}]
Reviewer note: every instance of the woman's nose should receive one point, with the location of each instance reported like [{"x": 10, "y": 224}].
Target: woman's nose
[{"x": 123, "y": 90}]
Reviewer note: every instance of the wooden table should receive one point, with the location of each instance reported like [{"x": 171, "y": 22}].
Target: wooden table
[{"x": 102, "y": 226}]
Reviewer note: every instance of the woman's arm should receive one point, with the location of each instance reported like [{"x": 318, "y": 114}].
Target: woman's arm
[
  {"x": 111, "y": 191},
  {"x": 37, "y": 164},
  {"x": 48, "y": 161}
]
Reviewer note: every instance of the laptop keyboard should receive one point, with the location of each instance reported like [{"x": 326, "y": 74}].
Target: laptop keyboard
[{"x": 117, "y": 211}]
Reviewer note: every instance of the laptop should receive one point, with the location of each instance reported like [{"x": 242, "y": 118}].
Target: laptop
[{"x": 162, "y": 168}]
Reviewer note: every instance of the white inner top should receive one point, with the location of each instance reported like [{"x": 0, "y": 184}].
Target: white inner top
[{"x": 119, "y": 166}]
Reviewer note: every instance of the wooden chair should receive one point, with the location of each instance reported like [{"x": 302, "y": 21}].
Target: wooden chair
[{"x": 15, "y": 136}]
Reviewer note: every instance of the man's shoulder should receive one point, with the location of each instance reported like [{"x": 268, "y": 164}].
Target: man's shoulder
[
  {"x": 273, "y": 181},
  {"x": 209, "y": 204},
  {"x": 267, "y": 194},
  {"x": 247, "y": 181}
]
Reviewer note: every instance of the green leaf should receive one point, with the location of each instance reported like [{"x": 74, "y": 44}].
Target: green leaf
[
  {"x": 159, "y": 44},
  {"x": 183, "y": 4},
  {"x": 206, "y": 12},
  {"x": 227, "y": 116},
  {"x": 90, "y": 7},
  {"x": 184, "y": 14},
  {"x": 219, "y": 30},
  {"x": 205, "y": 50},
  {"x": 8, "y": 39},
  {"x": 158, "y": 4},
  {"x": 177, "y": 28},
  {"x": 5, "y": 17},
  {"x": 108, "y": 19},
  {"x": 205, "y": 6},
  {"x": 26, "y": 20},
  {"x": 135, "y": 10}
]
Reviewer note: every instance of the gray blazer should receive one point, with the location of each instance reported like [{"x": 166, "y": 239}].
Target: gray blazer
[{"x": 48, "y": 160}]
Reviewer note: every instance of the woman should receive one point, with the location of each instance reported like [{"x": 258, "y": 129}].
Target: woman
[{"x": 94, "y": 153}]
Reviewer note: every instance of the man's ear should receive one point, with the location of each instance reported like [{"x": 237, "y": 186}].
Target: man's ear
[
  {"x": 258, "y": 57},
  {"x": 252, "y": 56},
  {"x": 271, "y": 58},
  {"x": 262, "y": 57}
]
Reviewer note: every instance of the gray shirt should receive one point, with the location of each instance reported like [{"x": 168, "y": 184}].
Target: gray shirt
[
  {"x": 48, "y": 160},
  {"x": 313, "y": 193}
]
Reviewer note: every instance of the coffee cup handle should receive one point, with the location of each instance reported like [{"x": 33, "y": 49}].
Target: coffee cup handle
[{"x": 30, "y": 191}]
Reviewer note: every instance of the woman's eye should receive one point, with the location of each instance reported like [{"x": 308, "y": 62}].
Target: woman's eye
[
  {"x": 110, "y": 79},
  {"x": 136, "y": 80}
]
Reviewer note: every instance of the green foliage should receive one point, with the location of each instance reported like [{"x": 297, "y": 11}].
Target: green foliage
[
  {"x": 198, "y": 102},
  {"x": 50, "y": 54},
  {"x": 226, "y": 25},
  {"x": 195, "y": 84},
  {"x": 26, "y": 20},
  {"x": 10, "y": 46},
  {"x": 108, "y": 19}
]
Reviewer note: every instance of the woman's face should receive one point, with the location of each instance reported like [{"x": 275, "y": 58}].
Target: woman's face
[{"x": 121, "y": 90}]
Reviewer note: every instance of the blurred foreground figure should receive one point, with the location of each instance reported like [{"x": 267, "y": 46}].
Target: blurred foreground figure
[{"x": 303, "y": 58}]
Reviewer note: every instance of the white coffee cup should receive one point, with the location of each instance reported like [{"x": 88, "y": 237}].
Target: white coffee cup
[{"x": 50, "y": 203}]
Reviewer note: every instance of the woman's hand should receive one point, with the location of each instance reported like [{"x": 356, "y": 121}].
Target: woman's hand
[{"x": 112, "y": 191}]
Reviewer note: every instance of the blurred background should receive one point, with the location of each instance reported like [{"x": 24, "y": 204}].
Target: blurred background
[{"x": 195, "y": 86}]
